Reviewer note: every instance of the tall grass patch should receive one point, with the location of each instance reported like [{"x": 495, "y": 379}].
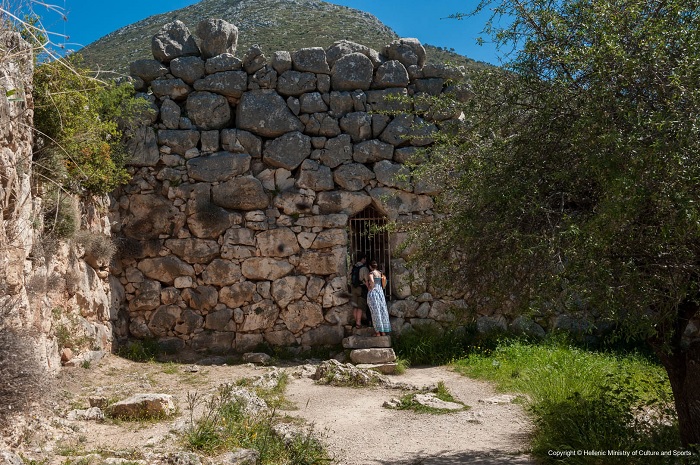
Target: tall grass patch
[{"x": 585, "y": 400}]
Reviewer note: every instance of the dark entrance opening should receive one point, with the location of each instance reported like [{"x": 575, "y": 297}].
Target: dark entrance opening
[{"x": 368, "y": 235}]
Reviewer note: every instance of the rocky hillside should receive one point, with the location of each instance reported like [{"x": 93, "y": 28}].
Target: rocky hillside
[{"x": 272, "y": 24}]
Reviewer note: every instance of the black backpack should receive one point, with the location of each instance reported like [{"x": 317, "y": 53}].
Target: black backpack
[{"x": 355, "y": 275}]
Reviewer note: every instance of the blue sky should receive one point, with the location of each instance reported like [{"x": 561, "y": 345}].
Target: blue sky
[{"x": 88, "y": 20}]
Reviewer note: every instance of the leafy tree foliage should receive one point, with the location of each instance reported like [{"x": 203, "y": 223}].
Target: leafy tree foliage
[
  {"x": 573, "y": 182},
  {"x": 77, "y": 118}
]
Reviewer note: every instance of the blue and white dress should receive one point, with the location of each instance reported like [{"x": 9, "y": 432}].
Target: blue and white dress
[{"x": 377, "y": 306}]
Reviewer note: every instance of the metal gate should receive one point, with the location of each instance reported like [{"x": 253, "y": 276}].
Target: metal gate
[{"x": 369, "y": 235}]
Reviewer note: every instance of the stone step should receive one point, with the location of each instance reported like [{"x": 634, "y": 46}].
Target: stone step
[
  {"x": 372, "y": 356},
  {"x": 366, "y": 331},
  {"x": 366, "y": 342},
  {"x": 384, "y": 368}
]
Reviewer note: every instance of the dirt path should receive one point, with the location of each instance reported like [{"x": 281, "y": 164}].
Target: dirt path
[{"x": 352, "y": 423}]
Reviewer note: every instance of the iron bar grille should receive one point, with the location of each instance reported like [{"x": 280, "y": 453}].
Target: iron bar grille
[{"x": 368, "y": 235}]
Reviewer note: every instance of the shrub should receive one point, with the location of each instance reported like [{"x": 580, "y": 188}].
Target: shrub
[{"x": 144, "y": 350}]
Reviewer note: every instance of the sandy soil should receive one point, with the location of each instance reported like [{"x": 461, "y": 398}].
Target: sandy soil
[{"x": 351, "y": 422}]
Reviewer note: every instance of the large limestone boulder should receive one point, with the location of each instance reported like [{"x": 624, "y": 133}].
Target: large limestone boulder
[
  {"x": 143, "y": 147},
  {"x": 176, "y": 89},
  {"x": 216, "y": 37},
  {"x": 222, "y": 273},
  {"x": 211, "y": 221},
  {"x": 227, "y": 83},
  {"x": 265, "y": 268},
  {"x": 151, "y": 215},
  {"x": 391, "y": 74},
  {"x": 265, "y": 113},
  {"x": 393, "y": 175},
  {"x": 299, "y": 314},
  {"x": 393, "y": 202},
  {"x": 172, "y": 41},
  {"x": 378, "y": 355},
  {"x": 213, "y": 341},
  {"x": 408, "y": 51},
  {"x": 164, "y": 319},
  {"x": 342, "y": 48},
  {"x": 310, "y": 59},
  {"x": 351, "y": 72},
  {"x": 147, "y": 296},
  {"x": 353, "y": 176},
  {"x": 371, "y": 151},
  {"x": 280, "y": 242},
  {"x": 323, "y": 336},
  {"x": 287, "y": 151},
  {"x": 194, "y": 250},
  {"x": 330, "y": 238},
  {"x": 241, "y": 193},
  {"x": 189, "y": 69},
  {"x": 288, "y": 289},
  {"x": 220, "y": 320},
  {"x": 218, "y": 167},
  {"x": 322, "y": 262},
  {"x": 142, "y": 406},
  {"x": 294, "y": 83},
  {"x": 179, "y": 141},
  {"x": 261, "y": 315},
  {"x": 238, "y": 141},
  {"x": 147, "y": 69},
  {"x": 337, "y": 150},
  {"x": 315, "y": 177},
  {"x": 358, "y": 125},
  {"x": 237, "y": 295},
  {"x": 165, "y": 269},
  {"x": 350, "y": 203},
  {"x": 208, "y": 110}
]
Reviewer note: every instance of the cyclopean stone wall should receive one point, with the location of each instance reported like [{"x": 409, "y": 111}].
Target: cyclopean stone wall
[{"x": 234, "y": 227}]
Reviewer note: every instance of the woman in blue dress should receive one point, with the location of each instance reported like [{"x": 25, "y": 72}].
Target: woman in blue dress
[{"x": 377, "y": 302}]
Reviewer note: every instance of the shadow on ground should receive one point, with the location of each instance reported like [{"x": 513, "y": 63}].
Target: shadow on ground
[{"x": 461, "y": 458}]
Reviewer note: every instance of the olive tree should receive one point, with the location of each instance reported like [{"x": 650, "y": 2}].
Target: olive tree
[{"x": 573, "y": 181}]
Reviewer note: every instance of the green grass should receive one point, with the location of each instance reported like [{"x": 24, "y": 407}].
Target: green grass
[{"x": 584, "y": 400}]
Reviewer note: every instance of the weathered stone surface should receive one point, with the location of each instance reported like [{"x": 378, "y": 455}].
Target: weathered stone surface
[
  {"x": 358, "y": 125},
  {"x": 179, "y": 141},
  {"x": 213, "y": 341},
  {"x": 147, "y": 296},
  {"x": 175, "y": 89},
  {"x": 238, "y": 141},
  {"x": 320, "y": 124},
  {"x": 443, "y": 71},
  {"x": 366, "y": 342},
  {"x": 323, "y": 336},
  {"x": 164, "y": 319},
  {"x": 353, "y": 176},
  {"x": 220, "y": 166},
  {"x": 294, "y": 202},
  {"x": 352, "y": 71},
  {"x": 403, "y": 308},
  {"x": 216, "y": 37},
  {"x": 265, "y": 113},
  {"x": 393, "y": 175},
  {"x": 390, "y": 74},
  {"x": 393, "y": 202},
  {"x": 323, "y": 221},
  {"x": 444, "y": 310},
  {"x": 240, "y": 236},
  {"x": 282, "y": 337},
  {"x": 170, "y": 113},
  {"x": 322, "y": 262},
  {"x": 223, "y": 62},
  {"x": 151, "y": 215},
  {"x": 371, "y": 151},
  {"x": 281, "y": 61},
  {"x": 312, "y": 102},
  {"x": 261, "y": 315},
  {"x": 254, "y": 59},
  {"x": 259, "y": 358},
  {"x": 490, "y": 324},
  {"x": 288, "y": 289},
  {"x": 430, "y": 400},
  {"x": 258, "y": 268},
  {"x": 315, "y": 177},
  {"x": 222, "y": 273},
  {"x": 241, "y": 193},
  {"x": 337, "y": 151},
  {"x": 330, "y": 238},
  {"x": 342, "y": 48},
  {"x": 430, "y": 86},
  {"x": 201, "y": 297},
  {"x": 211, "y": 221},
  {"x": 398, "y": 131},
  {"x": 350, "y": 203},
  {"x": 226, "y": 83},
  {"x": 189, "y": 320},
  {"x": 408, "y": 51},
  {"x": 147, "y": 69},
  {"x": 296, "y": 83},
  {"x": 143, "y": 147},
  {"x": 208, "y": 110},
  {"x": 173, "y": 40},
  {"x": 280, "y": 242},
  {"x": 299, "y": 314},
  {"x": 189, "y": 69},
  {"x": 341, "y": 103},
  {"x": 264, "y": 78},
  {"x": 392, "y": 100},
  {"x": 237, "y": 295},
  {"x": 372, "y": 355},
  {"x": 143, "y": 406},
  {"x": 194, "y": 250},
  {"x": 219, "y": 320},
  {"x": 310, "y": 59},
  {"x": 287, "y": 151},
  {"x": 165, "y": 269}
]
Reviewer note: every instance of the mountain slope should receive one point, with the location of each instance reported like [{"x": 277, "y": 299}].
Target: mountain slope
[{"x": 272, "y": 24}]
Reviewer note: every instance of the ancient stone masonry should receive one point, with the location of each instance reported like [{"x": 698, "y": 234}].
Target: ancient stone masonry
[{"x": 234, "y": 228}]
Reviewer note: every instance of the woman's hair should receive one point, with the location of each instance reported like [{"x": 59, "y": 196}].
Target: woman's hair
[{"x": 373, "y": 266}]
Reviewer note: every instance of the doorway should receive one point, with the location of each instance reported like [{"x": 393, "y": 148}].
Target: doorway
[{"x": 368, "y": 235}]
